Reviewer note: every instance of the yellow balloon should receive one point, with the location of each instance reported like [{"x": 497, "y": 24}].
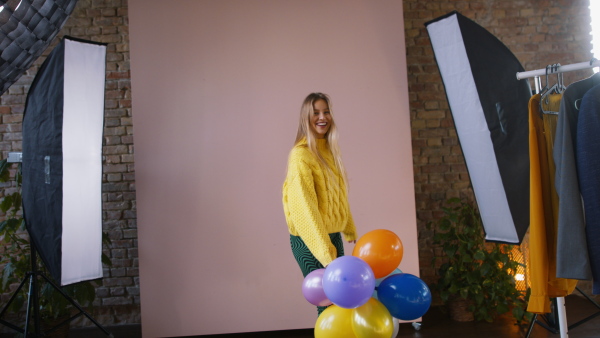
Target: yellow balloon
[
  {"x": 372, "y": 320},
  {"x": 335, "y": 322}
]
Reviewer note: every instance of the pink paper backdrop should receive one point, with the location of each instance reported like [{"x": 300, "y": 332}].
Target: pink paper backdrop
[{"x": 217, "y": 88}]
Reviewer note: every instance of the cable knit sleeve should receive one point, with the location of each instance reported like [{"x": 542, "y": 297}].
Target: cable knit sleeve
[
  {"x": 350, "y": 231},
  {"x": 303, "y": 211}
]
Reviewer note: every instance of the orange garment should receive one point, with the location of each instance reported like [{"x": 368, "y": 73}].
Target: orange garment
[{"x": 543, "y": 212}]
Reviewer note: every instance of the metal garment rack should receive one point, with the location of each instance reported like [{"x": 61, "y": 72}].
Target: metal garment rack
[
  {"x": 558, "y": 321},
  {"x": 559, "y": 69}
]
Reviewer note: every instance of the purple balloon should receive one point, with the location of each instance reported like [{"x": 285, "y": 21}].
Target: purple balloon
[
  {"x": 312, "y": 288},
  {"x": 348, "y": 282}
]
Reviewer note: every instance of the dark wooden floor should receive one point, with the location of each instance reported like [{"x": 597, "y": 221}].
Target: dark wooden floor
[{"x": 435, "y": 324}]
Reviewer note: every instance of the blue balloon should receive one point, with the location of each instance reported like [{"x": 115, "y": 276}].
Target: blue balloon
[
  {"x": 348, "y": 282},
  {"x": 406, "y": 296}
]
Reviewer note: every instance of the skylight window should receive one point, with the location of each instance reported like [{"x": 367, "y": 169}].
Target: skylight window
[{"x": 595, "y": 33}]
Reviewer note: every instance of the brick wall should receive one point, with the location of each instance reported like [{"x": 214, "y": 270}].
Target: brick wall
[
  {"x": 537, "y": 32},
  {"x": 118, "y": 299}
]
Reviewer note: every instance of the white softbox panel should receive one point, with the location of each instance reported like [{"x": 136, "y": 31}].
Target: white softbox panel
[
  {"x": 62, "y": 160},
  {"x": 489, "y": 108}
]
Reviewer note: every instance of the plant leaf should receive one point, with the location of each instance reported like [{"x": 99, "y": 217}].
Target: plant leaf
[
  {"x": 16, "y": 197},
  {"x": 9, "y": 268},
  {"x": 4, "y": 174},
  {"x": 502, "y": 308},
  {"x": 6, "y": 203},
  {"x": 106, "y": 260},
  {"x": 479, "y": 255},
  {"x": 18, "y": 175}
]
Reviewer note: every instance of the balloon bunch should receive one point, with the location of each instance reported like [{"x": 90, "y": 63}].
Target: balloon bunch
[{"x": 367, "y": 292}]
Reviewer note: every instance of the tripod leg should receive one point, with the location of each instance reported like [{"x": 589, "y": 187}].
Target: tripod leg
[
  {"x": 572, "y": 326},
  {"x": 12, "y": 298},
  {"x": 531, "y": 324},
  {"x": 74, "y": 303},
  {"x": 29, "y": 305},
  {"x": 33, "y": 301},
  {"x": 587, "y": 297},
  {"x": 34, "y": 295}
]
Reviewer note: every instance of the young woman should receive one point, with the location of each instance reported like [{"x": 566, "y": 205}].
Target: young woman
[{"x": 315, "y": 195}]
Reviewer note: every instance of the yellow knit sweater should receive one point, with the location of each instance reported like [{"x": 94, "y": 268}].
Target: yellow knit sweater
[{"x": 313, "y": 208}]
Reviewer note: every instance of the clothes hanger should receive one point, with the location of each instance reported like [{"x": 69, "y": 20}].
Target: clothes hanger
[
  {"x": 561, "y": 83},
  {"x": 557, "y": 88},
  {"x": 545, "y": 88}
]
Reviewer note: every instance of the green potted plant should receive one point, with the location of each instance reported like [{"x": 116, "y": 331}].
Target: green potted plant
[
  {"x": 474, "y": 275},
  {"x": 16, "y": 260}
]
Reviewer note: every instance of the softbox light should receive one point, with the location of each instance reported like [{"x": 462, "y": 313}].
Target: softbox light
[
  {"x": 63, "y": 124},
  {"x": 489, "y": 107},
  {"x": 26, "y": 29}
]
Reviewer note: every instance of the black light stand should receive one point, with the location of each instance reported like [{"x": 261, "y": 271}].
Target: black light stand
[
  {"x": 551, "y": 319},
  {"x": 551, "y": 324},
  {"x": 33, "y": 304}
]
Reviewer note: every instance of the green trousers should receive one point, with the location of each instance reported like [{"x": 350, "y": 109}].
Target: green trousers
[{"x": 307, "y": 261}]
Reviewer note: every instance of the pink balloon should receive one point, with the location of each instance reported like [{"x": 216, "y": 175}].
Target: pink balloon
[{"x": 312, "y": 288}]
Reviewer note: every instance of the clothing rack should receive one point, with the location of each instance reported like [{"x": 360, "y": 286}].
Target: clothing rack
[
  {"x": 560, "y": 323},
  {"x": 558, "y": 69}
]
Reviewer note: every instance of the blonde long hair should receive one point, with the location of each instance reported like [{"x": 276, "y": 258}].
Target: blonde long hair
[{"x": 306, "y": 132}]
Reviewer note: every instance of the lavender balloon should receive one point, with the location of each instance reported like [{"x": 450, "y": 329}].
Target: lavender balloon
[
  {"x": 312, "y": 288},
  {"x": 348, "y": 282}
]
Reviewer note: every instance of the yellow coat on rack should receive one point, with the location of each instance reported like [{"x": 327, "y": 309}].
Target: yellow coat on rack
[{"x": 543, "y": 211}]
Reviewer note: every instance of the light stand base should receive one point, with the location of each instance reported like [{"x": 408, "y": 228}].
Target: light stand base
[
  {"x": 552, "y": 319},
  {"x": 33, "y": 304}
]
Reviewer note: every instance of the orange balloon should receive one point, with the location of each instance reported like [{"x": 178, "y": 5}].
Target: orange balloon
[{"x": 381, "y": 249}]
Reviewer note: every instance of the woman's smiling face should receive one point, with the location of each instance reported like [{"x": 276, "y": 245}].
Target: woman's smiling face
[{"x": 320, "y": 121}]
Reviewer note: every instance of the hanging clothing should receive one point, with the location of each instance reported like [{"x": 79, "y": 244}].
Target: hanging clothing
[
  {"x": 588, "y": 171},
  {"x": 551, "y": 103},
  {"x": 543, "y": 204},
  {"x": 572, "y": 254}
]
